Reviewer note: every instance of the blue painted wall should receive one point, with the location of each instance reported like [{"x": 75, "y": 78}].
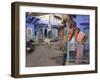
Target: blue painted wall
[
  {"x": 29, "y": 25},
  {"x": 82, "y": 19}
]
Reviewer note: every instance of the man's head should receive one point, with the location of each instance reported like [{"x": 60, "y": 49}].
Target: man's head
[{"x": 77, "y": 30}]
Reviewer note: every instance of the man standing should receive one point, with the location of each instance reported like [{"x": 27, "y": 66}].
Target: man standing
[{"x": 81, "y": 38}]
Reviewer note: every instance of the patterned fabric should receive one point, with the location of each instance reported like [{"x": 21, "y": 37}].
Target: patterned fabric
[{"x": 79, "y": 51}]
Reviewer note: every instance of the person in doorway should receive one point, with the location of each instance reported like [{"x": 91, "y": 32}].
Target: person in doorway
[
  {"x": 47, "y": 40},
  {"x": 37, "y": 39}
]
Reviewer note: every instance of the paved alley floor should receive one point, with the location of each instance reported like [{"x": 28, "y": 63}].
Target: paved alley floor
[{"x": 43, "y": 56}]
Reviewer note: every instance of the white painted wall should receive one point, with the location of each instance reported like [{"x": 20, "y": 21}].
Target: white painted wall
[{"x": 5, "y": 40}]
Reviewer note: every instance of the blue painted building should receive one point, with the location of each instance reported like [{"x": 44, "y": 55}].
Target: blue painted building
[{"x": 38, "y": 26}]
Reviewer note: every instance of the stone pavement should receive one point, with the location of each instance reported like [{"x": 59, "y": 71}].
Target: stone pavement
[{"x": 43, "y": 56}]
